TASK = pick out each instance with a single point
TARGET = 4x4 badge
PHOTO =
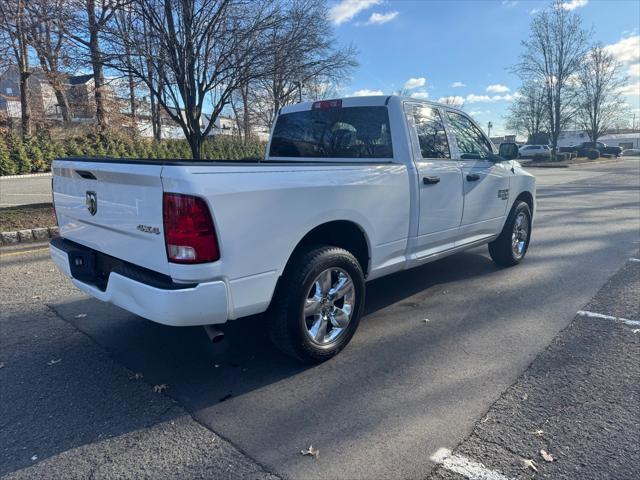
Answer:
(92, 202)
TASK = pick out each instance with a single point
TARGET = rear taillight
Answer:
(188, 229)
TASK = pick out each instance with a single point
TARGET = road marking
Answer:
(634, 259)
(633, 323)
(22, 252)
(463, 466)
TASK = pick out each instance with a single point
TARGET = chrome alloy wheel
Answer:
(520, 235)
(329, 306)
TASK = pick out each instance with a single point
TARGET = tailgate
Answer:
(115, 208)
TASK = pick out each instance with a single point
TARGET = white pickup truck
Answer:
(350, 190)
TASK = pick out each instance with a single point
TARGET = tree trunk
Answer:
(195, 142)
(24, 100)
(63, 102)
(245, 113)
(96, 65)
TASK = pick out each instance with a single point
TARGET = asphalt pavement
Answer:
(25, 190)
(437, 348)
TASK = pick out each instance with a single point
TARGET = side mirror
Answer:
(508, 151)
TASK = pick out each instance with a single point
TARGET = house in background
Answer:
(80, 90)
(42, 98)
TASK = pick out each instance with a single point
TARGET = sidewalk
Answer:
(579, 402)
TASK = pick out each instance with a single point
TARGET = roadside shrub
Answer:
(592, 154)
(35, 155)
(18, 154)
(7, 165)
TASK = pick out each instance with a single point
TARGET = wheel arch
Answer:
(526, 197)
(338, 233)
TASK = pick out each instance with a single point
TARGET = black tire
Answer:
(287, 324)
(501, 249)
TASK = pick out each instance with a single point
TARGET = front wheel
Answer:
(513, 242)
(318, 304)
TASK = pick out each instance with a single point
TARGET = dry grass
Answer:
(26, 216)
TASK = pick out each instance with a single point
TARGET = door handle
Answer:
(430, 180)
(472, 177)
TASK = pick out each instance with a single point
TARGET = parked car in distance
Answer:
(631, 152)
(350, 190)
(582, 148)
(536, 152)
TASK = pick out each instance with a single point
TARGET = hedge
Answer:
(35, 154)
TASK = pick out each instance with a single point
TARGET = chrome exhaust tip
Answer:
(215, 334)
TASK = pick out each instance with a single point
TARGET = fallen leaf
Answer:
(529, 464)
(34, 458)
(35, 297)
(136, 376)
(525, 397)
(53, 362)
(426, 320)
(160, 388)
(547, 456)
(539, 432)
(81, 315)
(314, 452)
(635, 330)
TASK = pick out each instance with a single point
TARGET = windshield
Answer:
(352, 132)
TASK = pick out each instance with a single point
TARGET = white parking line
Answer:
(463, 466)
(634, 259)
(633, 323)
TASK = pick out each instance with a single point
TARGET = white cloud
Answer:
(347, 9)
(420, 94)
(415, 83)
(497, 88)
(509, 3)
(380, 18)
(573, 4)
(458, 85)
(475, 113)
(365, 92)
(626, 50)
(632, 89)
(473, 98)
(452, 100)
(533, 11)
(634, 70)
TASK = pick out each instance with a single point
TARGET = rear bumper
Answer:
(198, 304)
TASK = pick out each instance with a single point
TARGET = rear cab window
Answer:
(432, 136)
(335, 132)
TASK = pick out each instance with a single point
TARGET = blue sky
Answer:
(464, 48)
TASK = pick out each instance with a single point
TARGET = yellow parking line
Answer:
(22, 252)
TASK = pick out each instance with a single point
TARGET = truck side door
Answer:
(439, 180)
(485, 181)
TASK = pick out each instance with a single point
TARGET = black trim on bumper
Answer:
(93, 267)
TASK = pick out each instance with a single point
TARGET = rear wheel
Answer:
(513, 242)
(318, 304)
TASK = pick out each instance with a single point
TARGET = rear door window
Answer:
(472, 143)
(432, 136)
(351, 132)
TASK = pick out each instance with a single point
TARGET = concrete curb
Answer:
(30, 235)
(28, 175)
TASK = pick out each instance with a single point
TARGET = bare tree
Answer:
(90, 19)
(202, 51)
(600, 103)
(553, 55)
(14, 33)
(528, 112)
(303, 53)
(45, 33)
